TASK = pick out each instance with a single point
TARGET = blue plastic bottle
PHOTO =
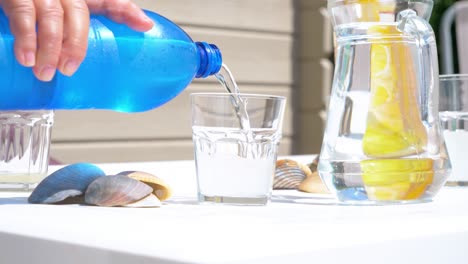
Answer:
(124, 70)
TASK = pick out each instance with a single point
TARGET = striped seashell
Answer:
(160, 188)
(289, 174)
(118, 190)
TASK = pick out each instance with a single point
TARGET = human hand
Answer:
(61, 39)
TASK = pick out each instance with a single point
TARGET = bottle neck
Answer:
(210, 59)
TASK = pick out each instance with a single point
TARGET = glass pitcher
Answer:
(382, 142)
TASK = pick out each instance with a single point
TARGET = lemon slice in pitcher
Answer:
(394, 127)
(396, 179)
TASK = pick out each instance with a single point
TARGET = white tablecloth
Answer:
(294, 228)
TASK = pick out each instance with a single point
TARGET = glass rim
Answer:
(453, 77)
(243, 95)
(44, 114)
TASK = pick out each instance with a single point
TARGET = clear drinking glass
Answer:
(383, 142)
(235, 158)
(453, 107)
(24, 148)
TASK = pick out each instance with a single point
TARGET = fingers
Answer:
(62, 30)
(122, 11)
(75, 38)
(22, 17)
(49, 40)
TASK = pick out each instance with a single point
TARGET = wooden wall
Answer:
(256, 38)
(314, 75)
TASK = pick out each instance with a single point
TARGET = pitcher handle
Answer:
(421, 30)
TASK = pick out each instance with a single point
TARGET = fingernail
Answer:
(29, 59)
(70, 67)
(47, 73)
(148, 20)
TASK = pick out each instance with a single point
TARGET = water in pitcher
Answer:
(381, 143)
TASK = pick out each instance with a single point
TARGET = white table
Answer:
(294, 228)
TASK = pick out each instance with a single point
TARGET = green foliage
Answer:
(439, 7)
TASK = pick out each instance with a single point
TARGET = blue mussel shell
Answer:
(69, 181)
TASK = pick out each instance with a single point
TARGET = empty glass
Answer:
(24, 148)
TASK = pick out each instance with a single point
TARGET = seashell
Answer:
(118, 190)
(314, 165)
(313, 183)
(289, 174)
(67, 182)
(149, 201)
(160, 188)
